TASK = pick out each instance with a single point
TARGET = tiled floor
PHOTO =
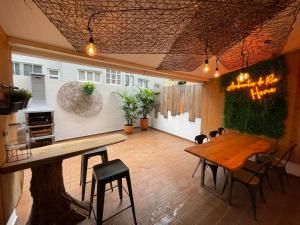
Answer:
(165, 192)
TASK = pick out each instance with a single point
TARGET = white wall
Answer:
(110, 118)
(178, 125)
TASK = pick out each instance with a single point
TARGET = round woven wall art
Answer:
(72, 99)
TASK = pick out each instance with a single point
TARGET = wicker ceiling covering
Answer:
(181, 29)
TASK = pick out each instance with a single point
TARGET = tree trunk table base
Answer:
(52, 205)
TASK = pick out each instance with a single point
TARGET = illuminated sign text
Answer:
(263, 86)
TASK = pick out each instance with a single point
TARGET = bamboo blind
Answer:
(179, 99)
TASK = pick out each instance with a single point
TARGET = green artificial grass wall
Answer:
(263, 116)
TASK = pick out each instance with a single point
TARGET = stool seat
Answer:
(107, 171)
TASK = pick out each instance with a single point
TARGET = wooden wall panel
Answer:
(10, 187)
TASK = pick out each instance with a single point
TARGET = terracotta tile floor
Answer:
(165, 192)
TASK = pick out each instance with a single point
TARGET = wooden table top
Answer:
(59, 151)
(231, 151)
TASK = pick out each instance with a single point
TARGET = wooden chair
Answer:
(279, 165)
(252, 181)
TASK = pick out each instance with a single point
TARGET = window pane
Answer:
(17, 68)
(127, 82)
(146, 83)
(27, 69)
(140, 82)
(81, 75)
(53, 72)
(37, 69)
(97, 77)
(90, 76)
(131, 80)
(118, 82)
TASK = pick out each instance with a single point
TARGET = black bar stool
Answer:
(106, 173)
(102, 152)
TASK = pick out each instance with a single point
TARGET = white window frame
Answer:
(118, 72)
(85, 76)
(143, 82)
(32, 64)
(131, 79)
(14, 68)
(50, 76)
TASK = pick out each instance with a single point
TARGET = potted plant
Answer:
(130, 107)
(25, 95)
(88, 88)
(19, 98)
(146, 100)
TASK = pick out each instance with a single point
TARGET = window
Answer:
(129, 80)
(31, 68)
(92, 76)
(53, 74)
(113, 77)
(143, 83)
(156, 86)
(16, 68)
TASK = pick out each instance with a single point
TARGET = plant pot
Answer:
(144, 123)
(128, 129)
(25, 103)
(7, 107)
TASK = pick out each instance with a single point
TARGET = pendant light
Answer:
(90, 48)
(206, 67)
(217, 74)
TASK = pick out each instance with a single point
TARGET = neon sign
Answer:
(263, 86)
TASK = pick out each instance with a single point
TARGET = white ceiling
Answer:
(23, 19)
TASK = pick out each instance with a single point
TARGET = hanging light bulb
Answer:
(217, 74)
(240, 77)
(206, 68)
(246, 76)
(90, 48)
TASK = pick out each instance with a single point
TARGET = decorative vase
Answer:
(128, 129)
(144, 123)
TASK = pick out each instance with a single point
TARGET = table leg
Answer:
(229, 177)
(202, 176)
(52, 205)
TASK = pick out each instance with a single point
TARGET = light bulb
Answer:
(206, 68)
(246, 76)
(90, 48)
(241, 77)
(217, 74)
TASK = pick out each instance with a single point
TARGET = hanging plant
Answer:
(88, 88)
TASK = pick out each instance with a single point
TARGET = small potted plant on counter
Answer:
(146, 100)
(88, 88)
(130, 107)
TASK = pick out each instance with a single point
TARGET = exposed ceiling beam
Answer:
(49, 51)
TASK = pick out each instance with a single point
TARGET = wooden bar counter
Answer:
(52, 205)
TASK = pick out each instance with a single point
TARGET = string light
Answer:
(206, 68)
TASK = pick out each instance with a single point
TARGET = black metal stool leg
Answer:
(104, 158)
(84, 165)
(92, 194)
(120, 189)
(100, 202)
(131, 197)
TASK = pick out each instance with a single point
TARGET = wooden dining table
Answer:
(230, 151)
(51, 203)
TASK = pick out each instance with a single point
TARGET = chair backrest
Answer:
(264, 166)
(287, 154)
(200, 138)
(213, 133)
(221, 130)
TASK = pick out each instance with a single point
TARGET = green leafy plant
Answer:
(146, 100)
(130, 107)
(260, 117)
(16, 94)
(88, 88)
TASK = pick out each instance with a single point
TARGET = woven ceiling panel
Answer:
(181, 29)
